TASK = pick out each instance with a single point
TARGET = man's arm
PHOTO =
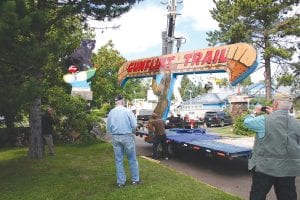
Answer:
(108, 124)
(133, 121)
(256, 124)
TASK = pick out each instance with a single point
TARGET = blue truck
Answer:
(200, 140)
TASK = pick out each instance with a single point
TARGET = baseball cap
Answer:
(119, 97)
(283, 96)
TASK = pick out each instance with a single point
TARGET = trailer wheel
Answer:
(222, 123)
(159, 150)
(171, 150)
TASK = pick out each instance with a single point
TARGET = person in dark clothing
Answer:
(47, 129)
(157, 125)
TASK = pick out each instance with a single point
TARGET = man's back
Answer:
(121, 121)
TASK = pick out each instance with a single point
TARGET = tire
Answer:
(222, 123)
(159, 150)
(208, 125)
(171, 150)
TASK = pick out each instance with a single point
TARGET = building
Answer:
(196, 107)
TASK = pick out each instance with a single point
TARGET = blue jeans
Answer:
(125, 144)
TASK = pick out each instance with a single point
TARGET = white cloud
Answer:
(141, 27)
(196, 13)
(140, 30)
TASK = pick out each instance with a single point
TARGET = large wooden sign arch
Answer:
(238, 60)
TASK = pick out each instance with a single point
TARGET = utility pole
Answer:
(168, 35)
(162, 84)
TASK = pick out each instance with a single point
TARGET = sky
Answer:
(139, 32)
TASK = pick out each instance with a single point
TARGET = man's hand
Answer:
(257, 110)
(269, 109)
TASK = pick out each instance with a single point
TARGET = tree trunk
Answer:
(36, 146)
(267, 59)
(268, 81)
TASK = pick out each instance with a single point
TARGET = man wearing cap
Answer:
(121, 124)
(275, 156)
(157, 125)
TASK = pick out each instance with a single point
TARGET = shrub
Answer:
(239, 128)
(14, 137)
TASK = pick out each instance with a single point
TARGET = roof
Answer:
(257, 86)
(208, 98)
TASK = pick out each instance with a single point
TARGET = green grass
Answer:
(88, 172)
(224, 131)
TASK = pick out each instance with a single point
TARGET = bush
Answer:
(14, 137)
(239, 128)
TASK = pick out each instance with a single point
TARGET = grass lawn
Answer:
(88, 172)
(225, 131)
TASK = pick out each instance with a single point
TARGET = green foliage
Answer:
(223, 82)
(267, 25)
(88, 172)
(247, 81)
(70, 112)
(104, 109)
(95, 117)
(14, 137)
(136, 89)
(35, 37)
(285, 79)
(240, 129)
(187, 85)
(73, 114)
(87, 139)
(297, 104)
(105, 82)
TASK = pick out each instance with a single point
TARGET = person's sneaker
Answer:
(121, 185)
(136, 182)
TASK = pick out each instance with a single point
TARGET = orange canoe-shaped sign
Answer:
(238, 60)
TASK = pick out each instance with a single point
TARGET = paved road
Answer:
(228, 175)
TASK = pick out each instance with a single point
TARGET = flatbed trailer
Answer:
(211, 144)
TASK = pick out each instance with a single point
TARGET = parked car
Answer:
(144, 115)
(217, 118)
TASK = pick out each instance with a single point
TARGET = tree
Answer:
(268, 24)
(187, 87)
(285, 79)
(27, 27)
(222, 82)
(246, 82)
(105, 82)
(291, 78)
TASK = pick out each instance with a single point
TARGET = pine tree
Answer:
(272, 26)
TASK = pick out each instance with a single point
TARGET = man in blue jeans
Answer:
(275, 156)
(121, 124)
